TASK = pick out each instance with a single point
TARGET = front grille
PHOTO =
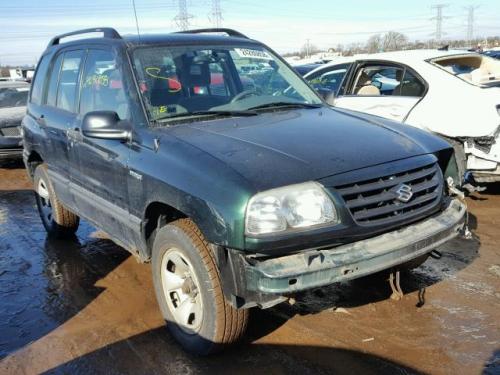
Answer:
(11, 131)
(375, 201)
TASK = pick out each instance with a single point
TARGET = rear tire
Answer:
(57, 220)
(189, 291)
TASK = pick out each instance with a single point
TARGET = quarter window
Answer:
(102, 85)
(38, 84)
(411, 86)
(54, 77)
(68, 81)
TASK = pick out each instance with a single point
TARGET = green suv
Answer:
(240, 186)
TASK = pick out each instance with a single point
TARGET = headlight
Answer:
(288, 208)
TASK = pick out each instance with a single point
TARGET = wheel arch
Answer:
(156, 215)
(34, 159)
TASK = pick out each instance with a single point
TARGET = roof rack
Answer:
(229, 32)
(108, 32)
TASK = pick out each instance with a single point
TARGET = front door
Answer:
(100, 183)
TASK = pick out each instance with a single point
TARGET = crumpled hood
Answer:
(281, 148)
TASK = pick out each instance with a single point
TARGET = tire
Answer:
(415, 263)
(57, 220)
(195, 310)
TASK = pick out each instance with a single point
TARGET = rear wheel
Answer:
(57, 220)
(189, 292)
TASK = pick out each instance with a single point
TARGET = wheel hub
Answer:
(44, 198)
(181, 290)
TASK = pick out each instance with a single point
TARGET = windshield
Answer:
(13, 96)
(196, 79)
(479, 70)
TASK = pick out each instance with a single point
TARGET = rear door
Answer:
(59, 116)
(100, 182)
(383, 89)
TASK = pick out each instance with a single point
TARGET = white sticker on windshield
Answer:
(21, 89)
(253, 53)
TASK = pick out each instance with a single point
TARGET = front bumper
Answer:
(314, 268)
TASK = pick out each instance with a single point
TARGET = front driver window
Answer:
(102, 85)
(330, 79)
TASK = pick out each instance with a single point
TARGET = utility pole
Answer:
(182, 18)
(307, 48)
(216, 14)
(439, 20)
(470, 22)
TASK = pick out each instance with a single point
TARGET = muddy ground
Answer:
(87, 306)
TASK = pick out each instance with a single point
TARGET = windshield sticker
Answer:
(253, 54)
(173, 84)
(22, 89)
(96, 80)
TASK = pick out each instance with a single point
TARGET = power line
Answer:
(439, 20)
(216, 15)
(182, 18)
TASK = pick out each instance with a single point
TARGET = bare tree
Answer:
(308, 49)
(374, 43)
(394, 41)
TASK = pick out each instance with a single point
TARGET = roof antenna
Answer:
(136, 21)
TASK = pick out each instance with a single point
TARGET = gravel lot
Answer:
(87, 306)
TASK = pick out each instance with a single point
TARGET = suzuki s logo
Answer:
(403, 193)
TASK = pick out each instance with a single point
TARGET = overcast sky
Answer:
(26, 26)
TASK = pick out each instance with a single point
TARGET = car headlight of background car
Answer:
(291, 207)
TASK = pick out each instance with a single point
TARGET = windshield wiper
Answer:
(227, 113)
(285, 105)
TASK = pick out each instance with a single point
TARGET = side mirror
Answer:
(106, 125)
(327, 95)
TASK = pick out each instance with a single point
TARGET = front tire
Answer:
(57, 220)
(189, 291)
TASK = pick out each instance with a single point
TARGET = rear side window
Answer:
(38, 84)
(68, 80)
(102, 85)
(378, 80)
(54, 77)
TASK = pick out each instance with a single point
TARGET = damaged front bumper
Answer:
(314, 268)
(483, 158)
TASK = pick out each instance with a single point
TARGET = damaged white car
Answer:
(455, 94)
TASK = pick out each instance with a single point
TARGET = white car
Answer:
(455, 94)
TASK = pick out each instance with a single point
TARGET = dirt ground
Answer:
(87, 306)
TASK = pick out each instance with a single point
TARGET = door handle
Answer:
(41, 120)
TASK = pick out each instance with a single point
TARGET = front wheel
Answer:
(189, 292)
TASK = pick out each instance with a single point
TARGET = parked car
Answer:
(238, 197)
(492, 53)
(13, 98)
(454, 94)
